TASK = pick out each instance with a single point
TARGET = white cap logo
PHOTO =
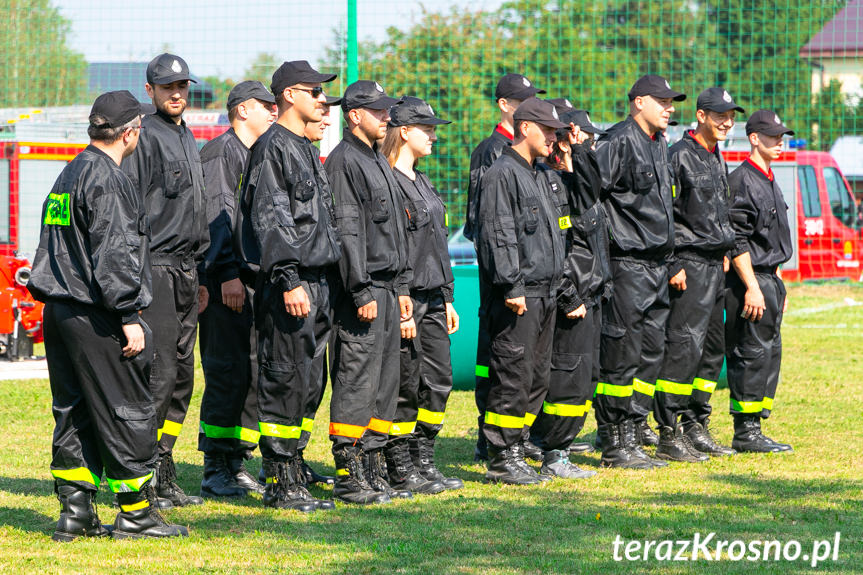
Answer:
(667, 85)
(431, 110)
(554, 113)
(726, 96)
(776, 119)
(176, 67)
(525, 81)
(567, 103)
(378, 87)
(588, 118)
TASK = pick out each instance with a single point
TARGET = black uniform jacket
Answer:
(636, 191)
(165, 168)
(759, 216)
(371, 219)
(586, 269)
(519, 243)
(427, 233)
(93, 246)
(286, 221)
(481, 159)
(701, 199)
(224, 160)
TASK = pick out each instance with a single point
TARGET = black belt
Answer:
(765, 269)
(183, 262)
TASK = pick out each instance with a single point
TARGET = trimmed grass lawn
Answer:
(559, 527)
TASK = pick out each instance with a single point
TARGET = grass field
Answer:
(559, 527)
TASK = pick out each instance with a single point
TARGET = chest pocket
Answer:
(531, 214)
(587, 222)
(418, 214)
(768, 214)
(379, 206)
(304, 188)
(176, 176)
(644, 179)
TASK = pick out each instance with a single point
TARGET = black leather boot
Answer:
(748, 436)
(531, 450)
(138, 518)
(218, 480)
(351, 485)
(401, 471)
(165, 478)
(504, 467)
(556, 462)
(282, 490)
(376, 473)
(614, 454)
(646, 436)
(702, 440)
(241, 475)
(78, 516)
(310, 476)
(673, 447)
(630, 440)
(422, 453)
(518, 451)
(581, 447)
(295, 474)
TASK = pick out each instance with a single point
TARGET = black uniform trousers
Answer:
(519, 367)
(173, 317)
(571, 382)
(712, 359)
(483, 342)
(633, 336)
(286, 350)
(753, 350)
(692, 314)
(365, 376)
(229, 358)
(425, 370)
(103, 410)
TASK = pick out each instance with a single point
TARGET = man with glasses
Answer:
(166, 170)
(289, 242)
(695, 336)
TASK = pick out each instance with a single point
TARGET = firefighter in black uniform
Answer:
(426, 368)
(511, 90)
(228, 431)
(92, 270)
(695, 334)
(755, 298)
(637, 195)
(166, 170)
(374, 298)
(520, 250)
(287, 234)
(573, 174)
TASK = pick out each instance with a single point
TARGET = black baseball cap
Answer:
(366, 94)
(656, 86)
(517, 87)
(167, 68)
(114, 109)
(333, 100)
(297, 72)
(562, 105)
(581, 118)
(147, 108)
(248, 90)
(717, 99)
(539, 112)
(411, 111)
(766, 122)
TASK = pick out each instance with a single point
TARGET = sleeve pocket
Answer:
(282, 211)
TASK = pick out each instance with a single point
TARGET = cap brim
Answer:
(724, 107)
(591, 129)
(778, 131)
(382, 103)
(173, 78)
(528, 92)
(316, 77)
(555, 124)
(432, 121)
(333, 100)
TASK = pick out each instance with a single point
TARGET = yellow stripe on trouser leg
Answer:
(767, 403)
(277, 430)
(507, 421)
(673, 387)
(402, 427)
(612, 390)
(128, 485)
(135, 506)
(169, 428)
(704, 385)
(642, 386)
(247, 435)
(565, 409)
(308, 424)
(347, 430)
(529, 418)
(430, 417)
(746, 406)
(379, 425)
(81, 474)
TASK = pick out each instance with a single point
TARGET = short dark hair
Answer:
(107, 135)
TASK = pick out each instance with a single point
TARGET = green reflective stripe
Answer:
(746, 406)
(246, 434)
(430, 417)
(78, 474)
(609, 389)
(704, 385)
(57, 211)
(642, 386)
(402, 428)
(507, 421)
(308, 424)
(767, 403)
(171, 428)
(565, 409)
(217, 432)
(673, 387)
(529, 418)
(481, 371)
(277, 430)
(128, 485)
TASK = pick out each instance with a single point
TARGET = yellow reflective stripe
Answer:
(642, 386)
(342, 472)
(565, 223)
(135, 506)
(565, 409)
(704, 385)
(446, 219)
(402, 428)
(529, 418)
(272, 480)
(507, 421)
(308, 424)
(430, 417)
(587, 406)
(216, 431)
(171, 428)
(612, 390)
(767, 403)
(746, 406)
(481, 371)
(247, 435)
(77, 474)
(347, 430)
(666, 386)
(278, 430)
(379, 425)
(128, 485)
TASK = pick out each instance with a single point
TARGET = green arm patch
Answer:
(57, 210)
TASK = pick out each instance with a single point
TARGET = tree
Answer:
(262, 68)
(38, 68)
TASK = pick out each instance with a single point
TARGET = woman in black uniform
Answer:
(426, 370)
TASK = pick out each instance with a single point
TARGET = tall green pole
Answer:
(352, 41)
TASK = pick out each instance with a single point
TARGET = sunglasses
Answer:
(315, 92)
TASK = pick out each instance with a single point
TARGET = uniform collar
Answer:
(504, 132)
(691, 134)
(517, 157)
(347, 136)
(752, 165)
(170, 121)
